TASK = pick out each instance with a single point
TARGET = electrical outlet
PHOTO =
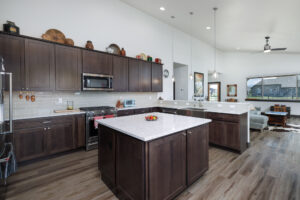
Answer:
(60, 101)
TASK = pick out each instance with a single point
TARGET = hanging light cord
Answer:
(215, 39)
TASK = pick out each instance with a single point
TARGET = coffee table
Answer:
(277, 118)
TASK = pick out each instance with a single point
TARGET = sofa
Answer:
(257, 120)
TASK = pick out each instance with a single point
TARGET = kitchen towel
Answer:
(95, 121)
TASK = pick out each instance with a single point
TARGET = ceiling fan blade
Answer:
(279, 49)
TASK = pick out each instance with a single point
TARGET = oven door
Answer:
(96, 82)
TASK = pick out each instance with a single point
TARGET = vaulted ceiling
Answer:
(241, 24)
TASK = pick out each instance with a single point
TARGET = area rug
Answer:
(288, 128)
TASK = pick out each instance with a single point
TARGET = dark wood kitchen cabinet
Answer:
(107, 162)
(60, 137)
(229, 131)
(68, 68)
(30, 143)
(168, 162)
(134, 75)
(80, 130)
(157, 85)
(120, 73)
(12, 51)
(197, 147)
(40, 137)
(96, 62)
(145, 76)
(125, 112)
(39, 65)
(139, 76)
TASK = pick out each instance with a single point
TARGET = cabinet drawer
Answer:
(143, 110)
(223, 117)
(40, 122)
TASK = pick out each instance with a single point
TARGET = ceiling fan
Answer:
(267, 47)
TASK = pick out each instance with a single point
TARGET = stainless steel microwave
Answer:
(96, 82)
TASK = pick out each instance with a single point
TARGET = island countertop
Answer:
(136, 126)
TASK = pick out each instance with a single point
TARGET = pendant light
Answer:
(215, 73)
(173, 77)
(191, 45)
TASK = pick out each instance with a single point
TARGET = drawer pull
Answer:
(45, 129)
(184, 134)
(46, 122)
(189, 132)
(49, 128)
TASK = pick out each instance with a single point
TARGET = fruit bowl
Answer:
(151, 118)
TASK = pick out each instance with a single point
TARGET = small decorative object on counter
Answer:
(21, 95)
(160, 98)
(151, 118)
(70, 105)
(138, 56)
(123, 52)
(89, 45)
(119, 104)
(149, 58)
(114, 49)
(166, 73)
(143, 56)
(32, 97)
(27, 96)
(158, 60)
(10, 27)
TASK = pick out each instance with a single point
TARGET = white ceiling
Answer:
(241, 24)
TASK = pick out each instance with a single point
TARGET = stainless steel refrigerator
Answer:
(7, 157)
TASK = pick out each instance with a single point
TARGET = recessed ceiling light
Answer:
(162, 8)
(208, 28)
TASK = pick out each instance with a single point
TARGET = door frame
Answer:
(219, 95)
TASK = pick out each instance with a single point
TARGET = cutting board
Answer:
(66, 111)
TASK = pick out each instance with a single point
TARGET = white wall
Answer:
(238, 66)
(105, 22)
(181, 81)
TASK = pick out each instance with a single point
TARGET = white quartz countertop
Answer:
(137, 127)
(20, 116)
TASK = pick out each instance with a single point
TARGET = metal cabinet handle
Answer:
(45, 129)
(46, 122)
(49, 128)
(184, 134)
(189, 132)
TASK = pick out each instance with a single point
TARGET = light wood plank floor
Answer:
(269, 169)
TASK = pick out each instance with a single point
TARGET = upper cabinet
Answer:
(145, 76)
(120, 73)
(68, 65)
(139, 76)
(157, 85)
(96, 62)
(12, 51)
(39, 65)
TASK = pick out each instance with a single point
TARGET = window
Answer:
(274, 88)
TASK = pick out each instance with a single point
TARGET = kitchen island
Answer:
(152, 160)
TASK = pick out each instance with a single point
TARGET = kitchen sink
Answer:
(192, 111)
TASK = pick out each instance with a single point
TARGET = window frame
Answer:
(297, 97)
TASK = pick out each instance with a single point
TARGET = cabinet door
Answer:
(29, 143)
(216, 133)
(142, 110)
(106, 155)
(120, 72)
(125, 112)
(12, 51)
(68, 68)
(145, 76)
(157, 78)
(197, 152)
(167, 169)
(232, 135)
(96, 62)
(60, 137)
(80, 131)
(39, 65)
(134, 76)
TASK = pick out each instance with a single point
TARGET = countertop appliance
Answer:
(93, 113)
(96, 82)
(7, 158)
(129, 103)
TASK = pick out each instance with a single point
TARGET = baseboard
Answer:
(248, 144)
(295, 116)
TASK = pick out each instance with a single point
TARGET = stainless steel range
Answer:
(91, 129)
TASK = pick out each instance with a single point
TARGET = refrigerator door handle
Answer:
(10, 104)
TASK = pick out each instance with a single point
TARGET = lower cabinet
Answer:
(153, 170)
(30, 143)
(228, 131)
(167, 169)
(39, 137)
